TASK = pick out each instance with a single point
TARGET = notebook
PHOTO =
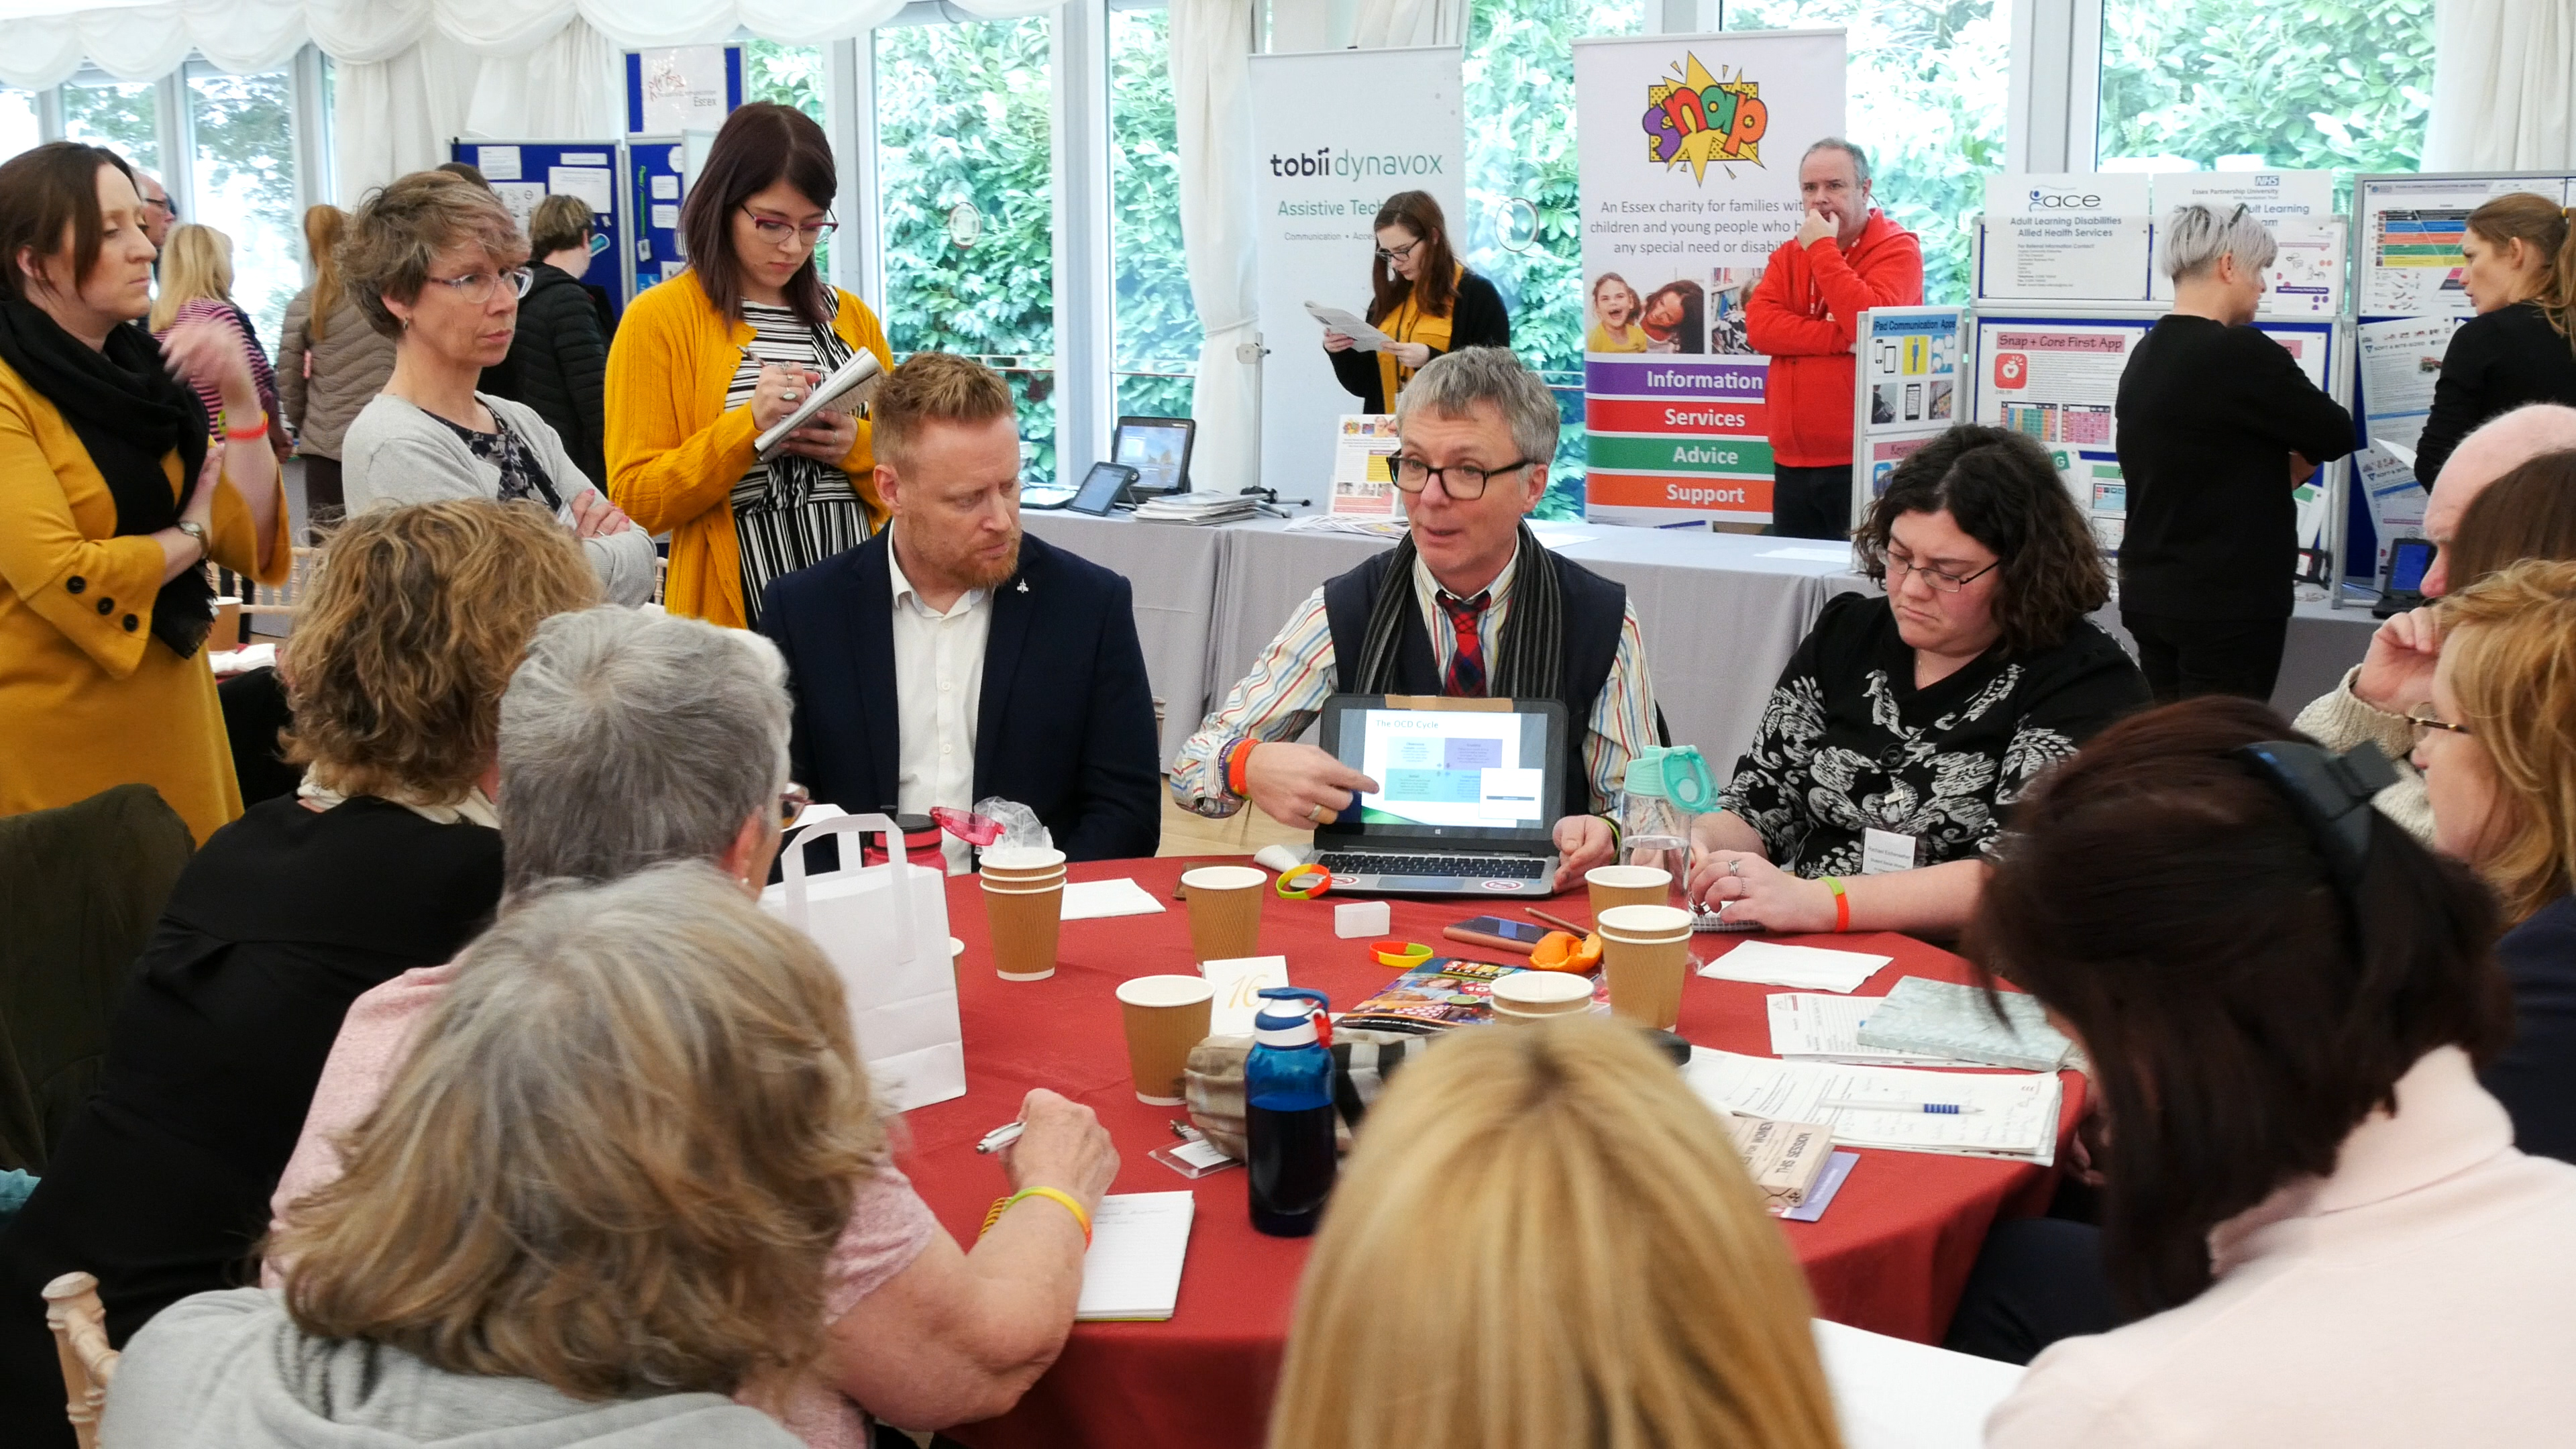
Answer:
(1133, 1271)
(1947, 1019)
(2011, 1115)
(1811, 1026)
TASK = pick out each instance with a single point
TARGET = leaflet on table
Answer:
(1813, 1026)
(2409, 238)
(1364, 447)
(1442, 993)
(2014, 1114)
(1351, 325)
(1967, 1025)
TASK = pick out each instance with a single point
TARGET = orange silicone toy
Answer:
(1560, 951)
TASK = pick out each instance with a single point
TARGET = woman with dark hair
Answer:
(1906, 724)
(115, 489)
(706, 362)
(1423, 297)
(2284, 998)
(1675, 318)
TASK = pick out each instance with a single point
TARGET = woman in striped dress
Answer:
(706, 361)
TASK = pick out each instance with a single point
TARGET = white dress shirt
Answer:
(938, 687)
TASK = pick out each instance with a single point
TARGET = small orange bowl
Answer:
(1562, 951)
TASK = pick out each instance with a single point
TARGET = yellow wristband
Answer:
(1304, 882)
(1056, 1194)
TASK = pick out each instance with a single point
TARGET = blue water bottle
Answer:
(1288, 1118)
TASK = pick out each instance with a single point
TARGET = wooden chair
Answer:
(286, 598)
(80, 1336)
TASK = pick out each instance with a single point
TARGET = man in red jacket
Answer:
(1846, 259)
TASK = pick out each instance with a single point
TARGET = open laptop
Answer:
(1466, 797)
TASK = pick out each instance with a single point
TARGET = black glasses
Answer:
(476, 287)
(1942, 582)
(2425, 722)
(791, 804)
(1462, 481)
(776, 232)
(1397, 254)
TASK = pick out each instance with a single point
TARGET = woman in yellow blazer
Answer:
(112, 496)
(709, 360)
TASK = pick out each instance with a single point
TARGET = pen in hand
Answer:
(1001, 1137)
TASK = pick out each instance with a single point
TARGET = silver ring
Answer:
(1318, 814)
(788, 396)
(1735, 868)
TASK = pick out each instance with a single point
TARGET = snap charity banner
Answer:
(1689, 154)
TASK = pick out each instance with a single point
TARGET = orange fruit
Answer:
(1561, 951)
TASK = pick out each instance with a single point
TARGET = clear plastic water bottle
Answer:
(1288, 1112)
(1665, 788)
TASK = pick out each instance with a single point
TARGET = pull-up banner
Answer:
(1689, 155)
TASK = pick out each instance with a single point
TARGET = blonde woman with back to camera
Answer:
(1621, 1287)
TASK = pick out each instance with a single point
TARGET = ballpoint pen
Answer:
(1001, 1137)
(1943, 1109)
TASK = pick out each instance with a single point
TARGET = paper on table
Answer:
(1813, 555)
(2015, 1116)
(1092, 900)
(1811, 967)
(1350, 326)
(1814, 1027)
(1139, 1240)
(1923, 1015)
(1239, 984)
(1891, 1394)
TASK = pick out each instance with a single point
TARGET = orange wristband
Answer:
(1237, 762)
(1842, 903)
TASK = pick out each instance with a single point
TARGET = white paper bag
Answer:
(885, 928)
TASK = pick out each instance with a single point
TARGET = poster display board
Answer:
(1689, 150)
(1906, 391)
(2070, 239)
(1335, 133)
(682, 88)
(656, 179)
(524, 173)
(2306, 277)
(2409, 236)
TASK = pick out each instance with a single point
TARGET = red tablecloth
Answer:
(1890, 1255)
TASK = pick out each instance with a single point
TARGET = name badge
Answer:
(1882, 851)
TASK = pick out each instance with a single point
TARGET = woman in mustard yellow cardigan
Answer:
(108, 505)
(709, 360)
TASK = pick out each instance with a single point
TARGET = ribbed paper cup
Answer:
(1225, 910)
(1612, 886)
(1538, 995)
(1645, 956)
(1026, 918)
(1021, 863)
(1165, 1017)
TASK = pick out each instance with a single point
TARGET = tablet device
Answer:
(1158, 449)
(1102, 487)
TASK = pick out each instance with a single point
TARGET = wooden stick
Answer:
(1560, 922)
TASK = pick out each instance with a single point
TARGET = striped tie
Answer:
(1467, 662)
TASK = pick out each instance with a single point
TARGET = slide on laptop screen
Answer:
(1452, 769)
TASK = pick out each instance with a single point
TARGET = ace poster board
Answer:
(2071, 238)
(1689, 149)
(1906, 391)
(524, 173)
(682, 88)
(1334, 134)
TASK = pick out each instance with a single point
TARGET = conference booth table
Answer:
(1721, 612)
(1891, 1254)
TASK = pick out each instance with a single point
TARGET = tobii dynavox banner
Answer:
(1335, 133)
(1689, 153)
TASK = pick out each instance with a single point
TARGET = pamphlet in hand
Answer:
(1368, 338)
(827, 392)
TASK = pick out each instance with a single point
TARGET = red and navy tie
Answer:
(1467, 662)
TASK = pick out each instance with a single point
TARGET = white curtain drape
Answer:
(1212, 104)
(2504, 86)
(1394, 24)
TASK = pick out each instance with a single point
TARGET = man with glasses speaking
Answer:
(1469, 603)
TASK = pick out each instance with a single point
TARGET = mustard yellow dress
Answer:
(88, 697)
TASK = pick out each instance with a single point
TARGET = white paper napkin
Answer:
(1809, 968)
(1092, 900)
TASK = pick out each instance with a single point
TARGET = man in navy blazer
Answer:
(951, 658)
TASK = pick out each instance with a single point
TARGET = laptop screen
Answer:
(1467, 775)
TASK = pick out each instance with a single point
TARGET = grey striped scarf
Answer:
(1528, 662)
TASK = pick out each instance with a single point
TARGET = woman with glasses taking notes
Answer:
(709, 360)
(1423, 297)
(1906, 724)
(437, 265)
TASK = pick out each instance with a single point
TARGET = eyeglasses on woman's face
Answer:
(476, 287)
(1941, 580)
(791, 804)
(1402, 253)
(778, 231)
(1462, 481)
(2425, 722)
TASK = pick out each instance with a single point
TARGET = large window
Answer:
(242, 183)
(18, 127)
(1522, 230)
(966, 191)
(2327, 85)
(1927, 94)
(793, 75)
(1156, 322)
(125, 117)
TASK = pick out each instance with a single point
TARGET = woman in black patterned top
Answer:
(1907, 723)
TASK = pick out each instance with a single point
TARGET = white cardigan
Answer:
(395, 453)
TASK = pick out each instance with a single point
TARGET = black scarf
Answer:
(128, 412)
(1529, 660)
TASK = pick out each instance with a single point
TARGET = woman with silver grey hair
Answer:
(2217, 426)
(632, 739)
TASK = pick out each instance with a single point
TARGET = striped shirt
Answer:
(1286, 690)
(790, 512)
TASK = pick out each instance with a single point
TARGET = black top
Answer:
(1847, 743)
(2497, 361)
(522, 476)
(2208, 417)
(2536, 1076)
(162, 1182)
(1477, 319)
(1065, 724)
(558, 365)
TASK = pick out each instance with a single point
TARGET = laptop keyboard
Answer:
(1469, 867)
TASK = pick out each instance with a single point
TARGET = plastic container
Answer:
(1665, 788)
(1288, 1113)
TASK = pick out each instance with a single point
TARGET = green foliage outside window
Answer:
(125, 119)
(243, 182)
(1156, 329)
(964, 118)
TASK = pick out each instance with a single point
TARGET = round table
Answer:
(1890, 1255)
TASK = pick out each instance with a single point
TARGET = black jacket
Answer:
(1478, 320)
(2535, 1078)
(1065, 724)
(2497, 361)
(558, 364)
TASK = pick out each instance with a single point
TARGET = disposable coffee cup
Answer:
(1225, 910)
(1025, 917)
(1613, 886)
(1166, 1016)
(1021, 863)
(1537, 995)
(1645, 956)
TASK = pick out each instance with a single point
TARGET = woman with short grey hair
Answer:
(2217, 428)
(631, 739)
